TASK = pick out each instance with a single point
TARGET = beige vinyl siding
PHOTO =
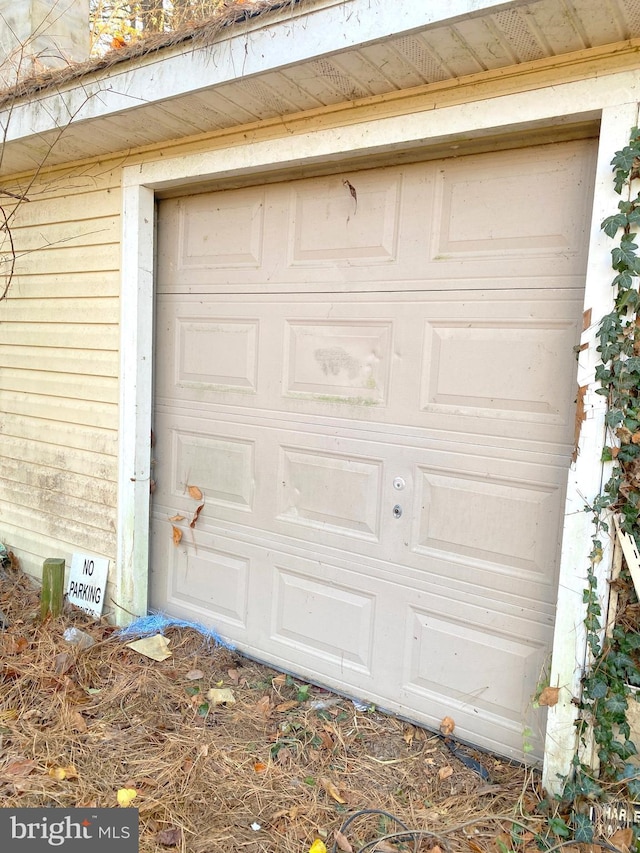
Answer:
(59, 362)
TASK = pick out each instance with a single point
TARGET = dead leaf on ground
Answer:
(221, 696)
(171, 837)
(342, 842)
(445, 772)
(61, 773)
(195, 493)
(408, 735)
(332, 790)
(194, 674)
(549, 696)
(622, 839)
(20, 768)
(286, 706)
(16, 645)
(199, 509)
(447, 725)
(264, 706)
(177, 535)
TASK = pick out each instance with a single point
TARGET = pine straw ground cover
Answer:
(285, 765)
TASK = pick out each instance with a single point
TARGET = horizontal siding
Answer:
(60, 359)
(41, 455)
(66, 285)
(69, 437)
(53, 311)
(89, 336)
(59, 342)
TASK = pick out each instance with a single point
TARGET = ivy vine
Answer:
(615, 659)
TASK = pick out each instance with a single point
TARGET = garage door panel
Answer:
(330, 492)
(302, 609)
(216, 355)
(487, 522)
(330, 221)
(483, 219)
(222, 465)
(513, 370)
(371, 378)
(502, 521)
(479, 365)
(499, 205)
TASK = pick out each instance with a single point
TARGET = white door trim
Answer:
(563, 103)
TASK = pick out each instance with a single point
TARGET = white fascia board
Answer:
(249, 49)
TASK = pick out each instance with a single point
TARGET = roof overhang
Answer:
(290, 59)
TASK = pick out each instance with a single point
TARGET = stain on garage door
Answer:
(371, 378)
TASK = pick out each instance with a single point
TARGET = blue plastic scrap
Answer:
(157, 623)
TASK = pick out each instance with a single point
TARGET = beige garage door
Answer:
(371, 379)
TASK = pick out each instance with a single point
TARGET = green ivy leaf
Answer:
(583, 828)
(597, 689)
(624, 159)
(612, 224)
(616, 704)
(559, 827)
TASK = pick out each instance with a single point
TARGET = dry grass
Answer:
(109, 718)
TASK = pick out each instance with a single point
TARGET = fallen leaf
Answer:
(332, 790)
(126, 796)
(177, 535)
(18, 645)
(264, 706)
(155, 647)
(259, 767)
(195, 493)
(61, 773)
(318, 846)
(408, 735)
(204, 750)
(170, 837)
(445, 772)
(447, 726)
(177, 518)
(342, 842)
(622, 839)
(436, 849)
(234, 675)
(286, 706)
(199, 509)
(279, 680)
(327, 740)
(635, 438)
(194, 674)
(20, 768)
(221, 696)
(549, 696)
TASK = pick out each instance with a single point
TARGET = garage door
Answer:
(370, 377)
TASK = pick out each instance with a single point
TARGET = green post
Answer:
(52, 596)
